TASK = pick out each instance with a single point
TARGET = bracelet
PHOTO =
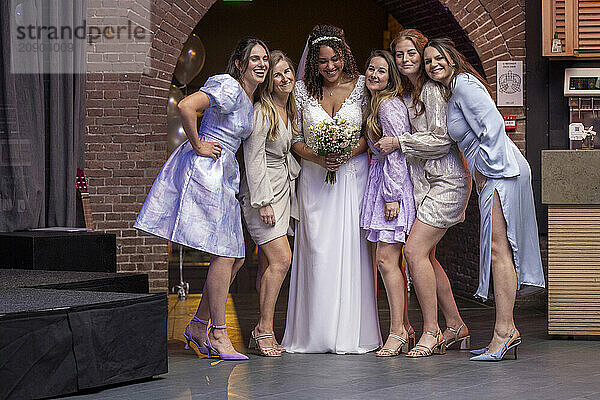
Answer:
(398, 140)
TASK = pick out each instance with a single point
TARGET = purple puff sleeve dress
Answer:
(193, 200)
(389, 181)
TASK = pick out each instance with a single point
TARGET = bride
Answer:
(332, 305)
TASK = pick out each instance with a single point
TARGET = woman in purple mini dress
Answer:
(388, 209)
(192, 202)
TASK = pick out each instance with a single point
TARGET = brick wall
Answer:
(497, 30)
(126, 124)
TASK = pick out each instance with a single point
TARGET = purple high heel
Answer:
(212, 352)
(188, 337)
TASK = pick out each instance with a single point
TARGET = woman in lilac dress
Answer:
(192, 201)
(388, 209)
(509, 244)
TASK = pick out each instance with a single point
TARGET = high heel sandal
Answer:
(477, 352)
(423, 351)
(464, 342)
(212, 352)
(506, 347)
(189, 338)
(387, 352)
(263, 351)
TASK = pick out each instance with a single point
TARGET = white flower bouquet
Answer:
(334, 137)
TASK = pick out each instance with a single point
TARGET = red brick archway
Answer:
(126, 127)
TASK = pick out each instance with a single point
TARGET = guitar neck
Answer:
(87, 211)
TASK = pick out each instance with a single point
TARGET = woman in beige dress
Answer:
(267, 193)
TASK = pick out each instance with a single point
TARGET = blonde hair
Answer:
(419, 41)
(392, 90)
(265, 98)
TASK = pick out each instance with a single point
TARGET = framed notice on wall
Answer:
(509, 83)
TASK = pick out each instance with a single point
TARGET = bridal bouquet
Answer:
(334, 137)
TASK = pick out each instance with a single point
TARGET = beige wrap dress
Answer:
(271, 172)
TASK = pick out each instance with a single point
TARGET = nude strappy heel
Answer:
(463, 342)
(263, 351)
(387, 352)
(423, 351)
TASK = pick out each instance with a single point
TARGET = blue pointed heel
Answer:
(477, 352)
(202, 349)
(509, 345)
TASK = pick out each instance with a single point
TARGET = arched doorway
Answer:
(137, 138)
(368, 25)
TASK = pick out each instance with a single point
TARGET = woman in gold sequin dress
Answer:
(442, 186)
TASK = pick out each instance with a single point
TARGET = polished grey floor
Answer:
(547, 368)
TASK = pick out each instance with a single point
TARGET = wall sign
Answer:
(509, 83)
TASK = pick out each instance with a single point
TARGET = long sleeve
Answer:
(255, 160)
(393, 118)
(494, 158)
(430, 141)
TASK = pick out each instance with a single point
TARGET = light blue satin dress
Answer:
(477, 126)
(193, 200)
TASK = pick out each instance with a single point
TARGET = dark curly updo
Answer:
(331, 36)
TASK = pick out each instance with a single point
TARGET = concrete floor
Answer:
(546, 369)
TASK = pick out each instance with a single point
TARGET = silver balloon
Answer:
(175, 133)
(175, 96)
(191, 60)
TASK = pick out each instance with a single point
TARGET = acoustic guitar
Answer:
(82, 186)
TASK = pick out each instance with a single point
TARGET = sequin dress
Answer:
(477, 126)
(389, 181)
(193, 199)
(442, 184)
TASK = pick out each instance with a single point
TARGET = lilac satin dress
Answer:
(389, 181)
(193, 199)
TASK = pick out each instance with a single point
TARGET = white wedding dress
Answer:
(332, 305)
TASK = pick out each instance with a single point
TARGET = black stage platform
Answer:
(71, 280)
(62, 332)
(59, 251)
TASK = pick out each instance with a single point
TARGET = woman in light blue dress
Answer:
(192, 201)
(509, 244)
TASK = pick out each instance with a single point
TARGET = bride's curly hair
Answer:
(331, 36)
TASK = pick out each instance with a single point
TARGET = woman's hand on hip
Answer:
(208, 149)
(267, 215)
(391, 210)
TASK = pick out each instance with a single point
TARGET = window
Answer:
(576, 23)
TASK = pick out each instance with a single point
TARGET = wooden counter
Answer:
(570, 188)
